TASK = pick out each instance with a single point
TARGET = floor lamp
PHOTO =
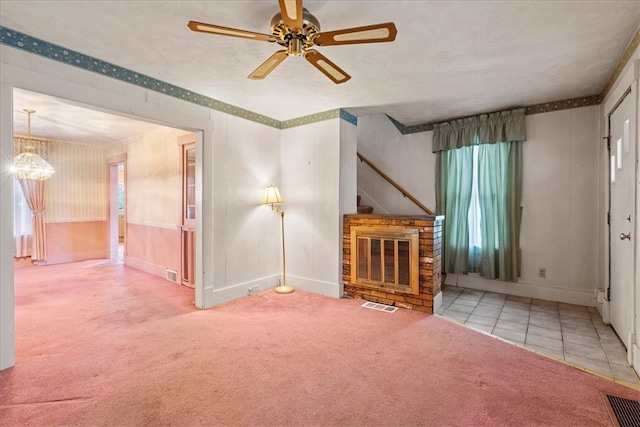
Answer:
(272, 197)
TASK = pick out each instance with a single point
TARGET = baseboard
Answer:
(437, 302)
(75, 257)
(568, 296)
(233, 292)
(315, 286)
(146, 266)
(230, 293)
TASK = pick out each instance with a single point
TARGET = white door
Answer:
(622, 166)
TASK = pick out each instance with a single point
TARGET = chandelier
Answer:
(29, 165)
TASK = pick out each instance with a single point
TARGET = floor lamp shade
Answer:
(272, 197)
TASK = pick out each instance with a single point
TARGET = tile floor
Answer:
(569, 332)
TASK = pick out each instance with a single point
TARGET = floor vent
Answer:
(171, 275)
(623, 412)
(379, 307)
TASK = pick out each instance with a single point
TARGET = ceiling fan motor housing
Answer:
(296, 41)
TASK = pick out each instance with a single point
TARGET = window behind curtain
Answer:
(475, 234)
(479, 190)
(22, 223)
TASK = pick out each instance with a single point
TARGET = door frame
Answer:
(113, 238)
(628, 86)
(612, 234)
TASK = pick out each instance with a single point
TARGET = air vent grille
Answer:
(623, 412)
(379, 307)
(171, 275)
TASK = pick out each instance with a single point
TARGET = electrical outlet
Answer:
(542, 273)
(253, 289)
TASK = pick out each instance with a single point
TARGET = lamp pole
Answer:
(283, 288)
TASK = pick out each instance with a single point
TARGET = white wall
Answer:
(311, 190)
(406, 159)
(246, 234)
(560, 198)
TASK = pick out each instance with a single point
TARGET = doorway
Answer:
(622, 165)
(117, 210)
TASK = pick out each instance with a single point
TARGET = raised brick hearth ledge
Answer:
(429, 228)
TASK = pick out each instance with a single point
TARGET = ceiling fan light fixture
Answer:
(298, 31)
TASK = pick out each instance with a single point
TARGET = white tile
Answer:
(519, 299)
(514, 318)
(552, 333)
(512, 326)
(577, 338)
(544, 342)
(467, 300)
(461, 307)
(584, 351)
(514, 336)
(597, 365)
(483, 320)
(546, 351)
(587, 331)
(625, 373)
(479, 326)
(516, 310)
(487, 312)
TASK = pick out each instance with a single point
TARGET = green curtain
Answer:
(500, 195)
(500, 137)
(453, 197)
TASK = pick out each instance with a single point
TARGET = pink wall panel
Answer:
(152, 249)
(76, 241)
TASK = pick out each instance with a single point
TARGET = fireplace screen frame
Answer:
(374, 246)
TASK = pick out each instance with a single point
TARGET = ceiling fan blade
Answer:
(368, 34)
(291, 11)
(267, 66)
(328, 68)
(202, 27)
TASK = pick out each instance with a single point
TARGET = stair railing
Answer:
(404, 192)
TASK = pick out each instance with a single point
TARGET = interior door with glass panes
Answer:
(188, 232)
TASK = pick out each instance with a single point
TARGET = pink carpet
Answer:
(99, 344)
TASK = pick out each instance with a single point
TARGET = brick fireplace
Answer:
(391, 276)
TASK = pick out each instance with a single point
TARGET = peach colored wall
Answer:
(153, 178)
(78, 189)
(76, 241)
(152, 249)
(153, 207)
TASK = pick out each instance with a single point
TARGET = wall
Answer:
(560, 200)
(76, 203)
(310, 158)
(153, 214)
(245, 244)
(406, 159)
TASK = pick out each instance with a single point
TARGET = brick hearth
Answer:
(430, 235)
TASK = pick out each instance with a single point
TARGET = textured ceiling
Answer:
(450, 59)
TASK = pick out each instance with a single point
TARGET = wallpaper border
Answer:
(58, 53)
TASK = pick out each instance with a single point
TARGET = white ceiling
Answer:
(450, 58)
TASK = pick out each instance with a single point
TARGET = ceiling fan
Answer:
(295, 28)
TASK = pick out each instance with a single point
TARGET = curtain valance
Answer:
(503, 126)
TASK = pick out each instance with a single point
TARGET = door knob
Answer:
(625, 236)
